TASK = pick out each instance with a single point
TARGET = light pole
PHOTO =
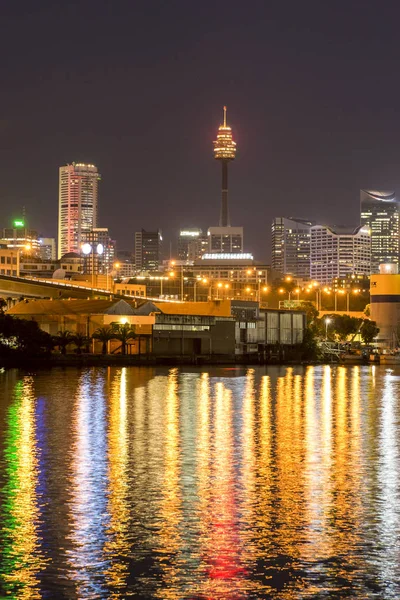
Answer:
(348, 298)
(198, 280)
(283, 291)
(161, 284)
(182, 283)
(327, 321)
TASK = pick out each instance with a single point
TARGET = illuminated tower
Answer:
(77, 212)
(224, 151)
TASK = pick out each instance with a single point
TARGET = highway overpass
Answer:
(17, 287)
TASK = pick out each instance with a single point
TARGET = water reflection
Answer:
(21, 555)
(116, 547)
(224, 484)
(88, 518)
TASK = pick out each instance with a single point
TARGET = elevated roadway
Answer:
(30, 287)
(17, 287)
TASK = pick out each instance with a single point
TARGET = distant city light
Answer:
(228, 256)
(190, 233)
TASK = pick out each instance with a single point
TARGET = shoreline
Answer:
(108, 360)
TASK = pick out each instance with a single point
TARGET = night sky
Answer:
(137, 88)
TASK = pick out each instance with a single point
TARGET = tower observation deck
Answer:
(224, 151)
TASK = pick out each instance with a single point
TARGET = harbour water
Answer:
(216, 483)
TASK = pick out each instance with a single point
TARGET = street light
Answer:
(198, 280)
(283, 291)
(327, 321)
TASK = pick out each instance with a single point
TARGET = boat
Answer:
(349, 358)
(389, 359)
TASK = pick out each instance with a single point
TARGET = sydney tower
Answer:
(224, 151)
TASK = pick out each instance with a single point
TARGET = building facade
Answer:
(225, 239)
(186, 237)
(291, 246)
(9, 261)
(47, 249)
(78, 202)
(21, 238)
(339, 252)
(101, 257)
(148, 250)
(385, 305)
(380, 212)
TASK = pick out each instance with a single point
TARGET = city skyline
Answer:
(306, 135)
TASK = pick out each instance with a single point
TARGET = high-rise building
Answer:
(291, 246)
(78, 200)
(124, 265)
(197, 247)
(100, 256)
(224, 151)
(148, 250)
(47, 248)
(380, 212)
(339, 252)
(225, 239)
(185, 239)
(192, 244)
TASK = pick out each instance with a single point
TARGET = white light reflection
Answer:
(389, 522)
(88, 489)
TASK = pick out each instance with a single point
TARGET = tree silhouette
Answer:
(63, 339)
(124, 333)
(104, 335)
(80, 340)
(368, 331)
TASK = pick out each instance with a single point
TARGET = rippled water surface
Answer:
(200, 484)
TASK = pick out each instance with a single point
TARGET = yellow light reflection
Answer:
(171, 502)
(224, 567)
(265, 475)
(117, 544)
(290, 457)
(21, 558)
(203, 445)
(248, 452)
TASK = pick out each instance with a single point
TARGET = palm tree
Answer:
(123, 333)
(80, 340)
(104, 335)
(63, 339)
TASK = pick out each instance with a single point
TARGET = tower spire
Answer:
(224, 151)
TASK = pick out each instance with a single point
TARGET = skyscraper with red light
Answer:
(77, 209)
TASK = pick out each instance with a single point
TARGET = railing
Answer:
(329, 350)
